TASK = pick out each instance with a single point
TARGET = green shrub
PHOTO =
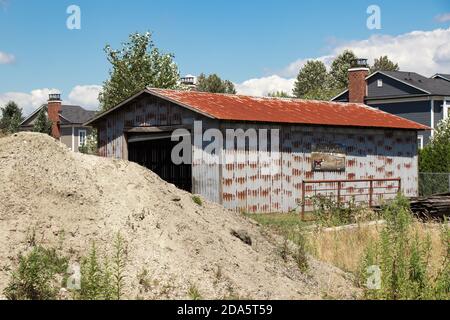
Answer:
(299, 254)
(197, 200)
(193, 293)
(90, 146)
(36, 276)
(103, 280)
(442, 281)
(119, 263)
(403, 260)
(331, 213)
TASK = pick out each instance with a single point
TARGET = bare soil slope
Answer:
(71, 200)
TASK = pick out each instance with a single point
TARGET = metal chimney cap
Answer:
(359, 63)
(54, 97)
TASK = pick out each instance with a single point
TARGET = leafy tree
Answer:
(90, 146)
(137, 65)
(435, 157)
(314, 82)
(311, 77)
(278, 94)
(324, 94)
(339, 69)
(384, 64)
(214, 84)
(43, 124)
(11, 118)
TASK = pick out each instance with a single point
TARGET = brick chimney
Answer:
(53, 111)
(357, 84)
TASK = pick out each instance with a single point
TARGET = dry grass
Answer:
(344, 248)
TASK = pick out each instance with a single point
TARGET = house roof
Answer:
(435, 85)
(278, 110)
(76, 114)
(442, 76)
(71, 114)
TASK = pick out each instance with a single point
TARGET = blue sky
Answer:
(239, 40)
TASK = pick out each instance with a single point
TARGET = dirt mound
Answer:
(72, 199)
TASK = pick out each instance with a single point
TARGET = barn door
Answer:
(156, 156)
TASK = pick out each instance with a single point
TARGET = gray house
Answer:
(67, 122)
(406, 94)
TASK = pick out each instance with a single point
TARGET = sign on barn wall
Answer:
(328, 157)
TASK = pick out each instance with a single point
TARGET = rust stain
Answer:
(258, 109)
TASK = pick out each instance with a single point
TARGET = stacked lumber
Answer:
(434, 207)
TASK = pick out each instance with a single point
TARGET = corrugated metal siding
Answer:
(242, 184)
(205, 168)
(370, 154)
(152, 111)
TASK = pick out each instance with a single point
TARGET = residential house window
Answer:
(380, 83)
(445, 108)
(81, 137)
(420, 142)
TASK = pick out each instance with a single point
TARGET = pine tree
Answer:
(384, 64)
(278, 94)
(214, 84)
(43, 124)
(11, 118)
(312, 77)
(339, 69)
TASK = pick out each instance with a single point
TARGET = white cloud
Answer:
(7, 58)
(292, 69)
(85, 96)
(263, 86)
(27, 101)
(424, 52)
(442, 18)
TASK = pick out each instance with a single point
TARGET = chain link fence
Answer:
(433, 183)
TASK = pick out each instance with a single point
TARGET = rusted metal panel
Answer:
(146, 111)
(370, 153)
(206, 169)
(293, 111)
(246, 183)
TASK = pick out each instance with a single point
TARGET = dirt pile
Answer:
(71, 200)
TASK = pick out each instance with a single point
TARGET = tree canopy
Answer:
(278, 94)
(312, 77)
(383, 63)
(214, 84)
(435, 156)
(314, 82)
(43, 124)
(137, 65)
(11, 118)
(339, 69)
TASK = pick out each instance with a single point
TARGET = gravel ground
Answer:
(71, 200)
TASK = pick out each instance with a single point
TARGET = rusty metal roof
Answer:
(277, 110)
(280, 110)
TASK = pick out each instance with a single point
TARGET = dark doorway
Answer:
(156, 156)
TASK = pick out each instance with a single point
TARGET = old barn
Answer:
(346, 150)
